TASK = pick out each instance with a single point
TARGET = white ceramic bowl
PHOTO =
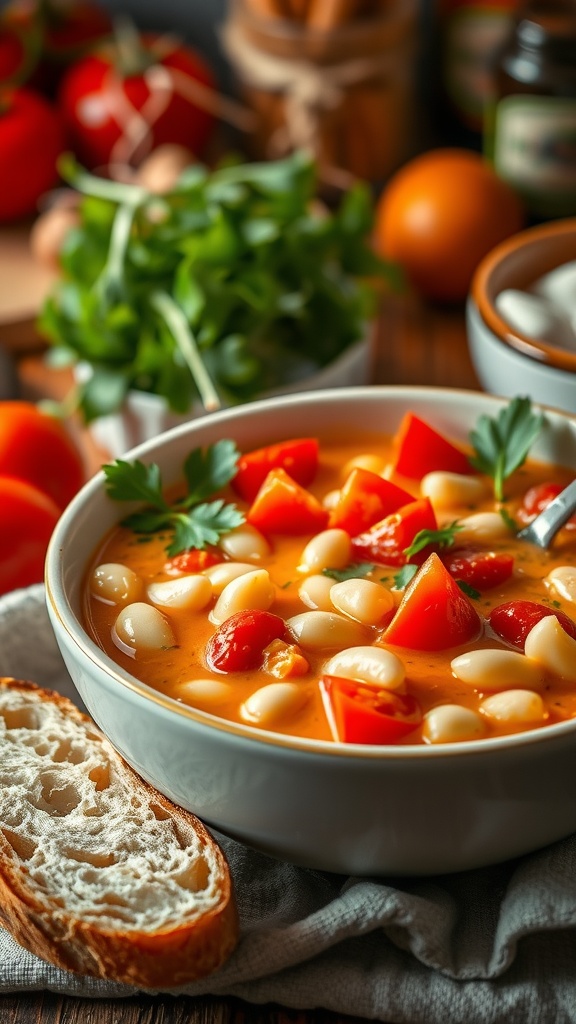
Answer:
(352, 809)
(507, 361)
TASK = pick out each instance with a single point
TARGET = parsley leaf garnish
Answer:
(354, 571)
(443, 538)
(192, 521)
(501, 444)
(509, 520)
(402, 578)
(471, 592)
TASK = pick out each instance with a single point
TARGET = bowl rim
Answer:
(539, 351)
(61, 610)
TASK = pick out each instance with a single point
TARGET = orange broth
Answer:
(428, 674)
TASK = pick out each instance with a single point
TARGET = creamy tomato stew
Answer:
(365, 590)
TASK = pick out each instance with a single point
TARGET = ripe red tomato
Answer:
(20, 45)
(27, 519)
(364, 714)
(37, 448)
(434, 614)
(537, 498)
(283, 506)
(238, 643)
(386, 541)
(298, 457)
(365, 499)
(479, 569)
(31, 140)
(106, 97)
(421, 449)
(514, 620)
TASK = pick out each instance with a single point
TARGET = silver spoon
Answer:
(543, 529)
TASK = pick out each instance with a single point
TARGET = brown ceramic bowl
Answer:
(508, 362)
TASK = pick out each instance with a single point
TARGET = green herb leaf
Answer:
(204, 524)
(501, 444)
(354, 571)
(470, 592)
(134, 481)
(191, 520)
(509, 520)
(442, 538)
(403, 577)
(233, 282)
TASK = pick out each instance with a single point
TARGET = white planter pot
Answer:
(144, 415)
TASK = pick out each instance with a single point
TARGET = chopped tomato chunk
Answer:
(359, 713)
(239, 642)
(538, 498)
(514, 620)
(195, 560)
(364, 499)
(479, 569)
(283, 506)
(420, 449)
(434, 614)
(299, 457)
(386, 541)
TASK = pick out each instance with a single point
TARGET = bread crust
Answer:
(163, 958)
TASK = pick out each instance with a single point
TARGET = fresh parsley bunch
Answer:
(231, 283)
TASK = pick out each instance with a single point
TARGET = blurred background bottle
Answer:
(471, 33)
(530, 126)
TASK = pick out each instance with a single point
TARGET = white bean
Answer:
(373, 665)
(221, 574)
(321, 630)
(452, 723)
(251, 590)
(190, 592)
(273, 703)
(562, 581)
(315, 592)
(331, 499)
(203, 692)
(245, 544)
(551, 646)
(363, 600)
(497, 669)
(515, 707)
(329, 549)
(448, 489)
(367, 460)
(482, 526)
(140, 625)
(115, 583)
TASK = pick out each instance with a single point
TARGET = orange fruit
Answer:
(438, 217)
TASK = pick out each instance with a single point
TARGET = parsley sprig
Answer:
(193, 521)
(443, 538)
(231, 283)
(501, 444)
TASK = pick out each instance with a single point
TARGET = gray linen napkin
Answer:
(485, 946)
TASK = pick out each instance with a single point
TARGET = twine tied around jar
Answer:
(310, 90)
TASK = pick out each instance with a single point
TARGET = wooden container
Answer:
(346, 93)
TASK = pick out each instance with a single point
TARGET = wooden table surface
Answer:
(417, 344)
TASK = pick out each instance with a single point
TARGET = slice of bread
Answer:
(99, 873)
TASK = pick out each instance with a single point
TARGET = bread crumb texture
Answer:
(87, 840)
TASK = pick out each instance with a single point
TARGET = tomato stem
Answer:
(132, 58)
(178, 326)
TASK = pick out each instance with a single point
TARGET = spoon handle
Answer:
(543, 529)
